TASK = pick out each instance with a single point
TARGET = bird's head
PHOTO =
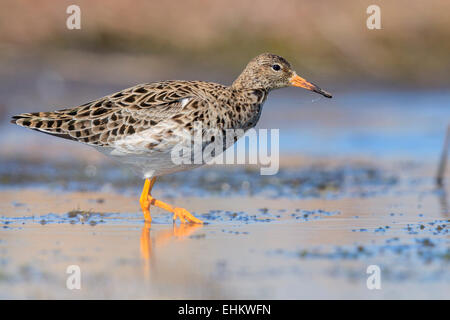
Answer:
(269, 71)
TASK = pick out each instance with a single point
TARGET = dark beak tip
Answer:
(324, 93)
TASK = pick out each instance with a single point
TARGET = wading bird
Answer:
(140, 125)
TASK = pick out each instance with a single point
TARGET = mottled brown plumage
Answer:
(102, 122)
(146, 117)
(142, 125)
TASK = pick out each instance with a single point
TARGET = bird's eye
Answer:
(276, 67)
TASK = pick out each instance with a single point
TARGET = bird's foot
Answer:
(184, 216)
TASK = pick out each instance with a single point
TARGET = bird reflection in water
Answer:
(160, 238)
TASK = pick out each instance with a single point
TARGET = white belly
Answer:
(133, 151)
(151, 164)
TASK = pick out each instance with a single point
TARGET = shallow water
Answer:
(271, 248)
(355, 188)
(381, 124)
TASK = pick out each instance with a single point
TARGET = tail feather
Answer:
(45, 122)
(73, 124)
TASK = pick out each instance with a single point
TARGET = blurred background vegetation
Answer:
(327, 39)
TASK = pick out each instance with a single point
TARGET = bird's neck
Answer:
(247, 81)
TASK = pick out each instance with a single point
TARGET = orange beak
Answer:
(297, 81)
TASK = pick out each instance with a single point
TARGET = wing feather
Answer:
(105, 120)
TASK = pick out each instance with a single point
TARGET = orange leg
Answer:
(146, 200)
